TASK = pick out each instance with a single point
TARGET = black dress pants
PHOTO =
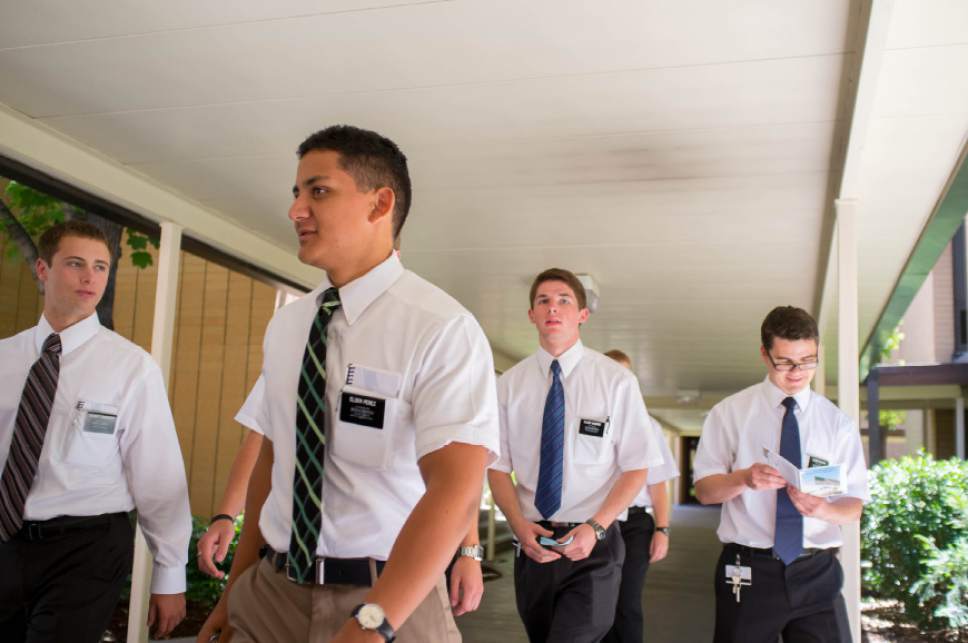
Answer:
(801, 601)
(61, 578)
(570, 602)
(637, 534)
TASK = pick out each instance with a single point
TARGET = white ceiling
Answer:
(683, 153)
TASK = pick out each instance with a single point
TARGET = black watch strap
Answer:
(218, 517)
(663, 530)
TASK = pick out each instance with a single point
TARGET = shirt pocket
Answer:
(592, 440)
(92, 442)
(364, 427)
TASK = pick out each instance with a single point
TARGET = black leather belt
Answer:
(551, 524)
(808, 552)
(329, 571)
(40, 530)
(634, 511)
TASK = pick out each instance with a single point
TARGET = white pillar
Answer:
(960, 427)
(162, 334)
(820, 378)
(848, 383)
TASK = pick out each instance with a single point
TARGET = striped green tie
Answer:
(307, 488)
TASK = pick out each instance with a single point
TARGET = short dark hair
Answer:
(618, 356)
(788, 322)
(559, 274)
(373, 161)
(50, 240)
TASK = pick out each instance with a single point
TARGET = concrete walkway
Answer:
(678, 595)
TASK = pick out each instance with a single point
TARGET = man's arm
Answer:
(659, 494)
(527, 532)
(454, 478)
(466, 578)
(837, 512)
(214, 544)
(250, 541)
(622, 494)
(722, 487)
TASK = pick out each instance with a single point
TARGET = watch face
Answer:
(371, 616)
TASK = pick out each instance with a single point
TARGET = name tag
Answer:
(736, 573)
(817, 462)
(362, 410)
(594, 428)
(99, 423)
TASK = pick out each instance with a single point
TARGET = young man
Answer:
(379, 415)
(86, 435)
(572, 432)
(645, 533)
(778, 573)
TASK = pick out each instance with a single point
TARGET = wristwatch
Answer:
(371, 618)
(599, 530)
(473, 551)
(663, 530)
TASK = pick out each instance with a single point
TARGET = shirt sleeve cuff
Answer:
(431, 440)
(699, 474)
(167, 580)
(248, 422)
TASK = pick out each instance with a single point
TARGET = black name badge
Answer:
(817, 462)
(363, 410)
(592, 427)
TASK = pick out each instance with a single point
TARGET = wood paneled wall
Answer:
(219, 325)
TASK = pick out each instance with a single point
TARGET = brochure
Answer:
(817, 481)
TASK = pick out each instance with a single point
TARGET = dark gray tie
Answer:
(28, 437)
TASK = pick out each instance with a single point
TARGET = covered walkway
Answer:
(678, 595)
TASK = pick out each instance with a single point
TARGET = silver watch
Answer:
(474, 551)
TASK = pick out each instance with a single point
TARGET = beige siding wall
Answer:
(219, 324)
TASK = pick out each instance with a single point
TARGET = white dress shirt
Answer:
(596, 388)
(404, 342)
(84, 472)
(733, 437)
(668, 470)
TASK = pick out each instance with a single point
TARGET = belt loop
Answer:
(320, 570)
(373, 573)
(34, 532)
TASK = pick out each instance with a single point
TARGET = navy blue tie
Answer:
(788, 536)
(547, 497)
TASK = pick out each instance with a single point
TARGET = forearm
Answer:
(843, 511)
(505, 497)
(251, 540)
(721, 487)
(620, 497)
(428, 540)
(233, 500)
(659, 494)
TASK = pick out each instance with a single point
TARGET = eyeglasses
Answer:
(786, 367)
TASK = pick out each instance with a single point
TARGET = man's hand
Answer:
(217, 624)
(466, 585)
(582, 545)
(659, 547)
(165, 611)
(806, 504)
(351, 632)
(527, 533)
(762, 476)
(214, 545)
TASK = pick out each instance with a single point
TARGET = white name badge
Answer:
(98, 418)
(739, 572)
(378, 381)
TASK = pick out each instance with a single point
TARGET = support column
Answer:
(848, 384)
(162, 334)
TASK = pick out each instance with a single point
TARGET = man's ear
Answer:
(41, 268)
(383, 204)
(583, 315)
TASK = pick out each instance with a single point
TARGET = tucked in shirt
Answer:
(421, 356)
(596, 389)
(734, 436)
(110, 444)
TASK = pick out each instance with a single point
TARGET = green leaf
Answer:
(141, 258)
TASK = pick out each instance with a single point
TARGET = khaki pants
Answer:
(266, 607)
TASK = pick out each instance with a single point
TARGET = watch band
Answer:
(599, 530)
(472, 551)
(218, 517)
(384, 628)
(663, 530)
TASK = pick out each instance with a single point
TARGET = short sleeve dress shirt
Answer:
(86, 469)
(733, 437)
(668, 470)
(395, 338)
(596, 388)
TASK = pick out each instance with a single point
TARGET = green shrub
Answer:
(914, 537)
(204, 589)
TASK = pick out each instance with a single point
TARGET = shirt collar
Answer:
(776, 396)
(71, 337)
(361, 292)
(567, 360)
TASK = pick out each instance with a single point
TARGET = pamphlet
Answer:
(822, 481)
